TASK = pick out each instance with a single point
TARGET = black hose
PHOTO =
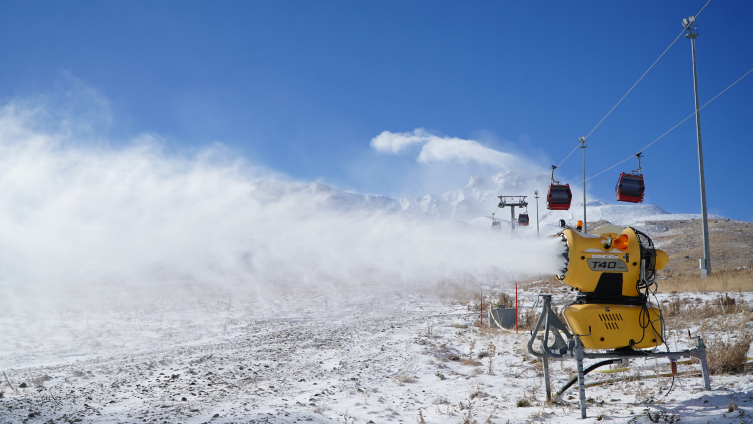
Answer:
(586, 371)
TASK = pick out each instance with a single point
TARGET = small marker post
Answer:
(481, 312)
(516, 307)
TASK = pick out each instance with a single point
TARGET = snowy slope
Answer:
(473, 203)
(478, 198)
(357, 356)
(270, 191)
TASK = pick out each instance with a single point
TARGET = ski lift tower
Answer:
(512, 202)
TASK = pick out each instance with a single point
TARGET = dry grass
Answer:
(523, 403)
(506, 300)
(405, 378)
(456, 292)
(492, 351)
(726, 356)
(740, 280)
(690, 309)
(38, 382)
(527, 319)
(724, 317)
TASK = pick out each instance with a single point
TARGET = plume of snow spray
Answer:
(97, 217)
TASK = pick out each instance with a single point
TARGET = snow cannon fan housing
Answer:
(609, 270)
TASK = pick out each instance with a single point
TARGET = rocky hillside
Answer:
(731, 243)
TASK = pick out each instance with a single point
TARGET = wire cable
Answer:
(625, 95)
(570, 154)
(586, 371)
(631, 88)
(670, 388)
(669, 130)
(704, 6)
(636, 83)
(644, 74)
(563, 161)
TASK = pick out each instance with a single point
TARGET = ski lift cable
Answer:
(644, 74)
(670, 130)
(636, 83)
(623, 97)
(568, 155)
(563, 161)
(631, 88)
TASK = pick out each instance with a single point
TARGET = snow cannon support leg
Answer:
(581, 376)
(545, 362)
(704, 366)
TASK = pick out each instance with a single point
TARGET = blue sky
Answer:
(303, 87)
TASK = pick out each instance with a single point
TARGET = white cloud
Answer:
(389, 142)
(459, 150)
(441, 149)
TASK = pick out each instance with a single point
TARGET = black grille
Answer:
(610, 317)
(648, 253)
(610, 320)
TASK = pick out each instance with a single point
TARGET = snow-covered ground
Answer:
(355, 354)
(142, 287)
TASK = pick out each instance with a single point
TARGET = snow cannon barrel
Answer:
(608, 265)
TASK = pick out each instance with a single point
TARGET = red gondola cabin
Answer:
(559, 197)
(630, 188)
(523, 220)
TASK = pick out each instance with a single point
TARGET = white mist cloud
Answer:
(442, 149)
(95, 217)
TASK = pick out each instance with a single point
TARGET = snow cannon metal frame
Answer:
(614, 272)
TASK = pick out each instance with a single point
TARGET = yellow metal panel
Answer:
(613, 326)
(582, 247)
(609, 229)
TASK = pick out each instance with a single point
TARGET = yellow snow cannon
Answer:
(614, 272)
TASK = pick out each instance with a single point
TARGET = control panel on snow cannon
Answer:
(614, 272)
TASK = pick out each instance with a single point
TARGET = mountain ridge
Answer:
(472, 204)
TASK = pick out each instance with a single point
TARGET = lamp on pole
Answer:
(585, 221)
(691, 30)
(536, 195)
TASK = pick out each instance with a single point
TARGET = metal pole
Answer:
(581, 376)
(545, 360)
(536, 195)
(585, 221)
(512, 220)
(547, 384)
(706, 261)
